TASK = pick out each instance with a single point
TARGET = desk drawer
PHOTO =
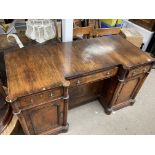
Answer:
(139, 70)
(42, 97)
(93, 77)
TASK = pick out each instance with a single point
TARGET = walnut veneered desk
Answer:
(44, 80)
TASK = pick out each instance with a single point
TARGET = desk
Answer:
(44, 80)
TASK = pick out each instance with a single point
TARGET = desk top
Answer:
(34, 68)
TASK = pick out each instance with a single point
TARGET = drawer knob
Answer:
(108, 73)
(31, 101)
(51, 95)
(134, 72)
(78, 82)
(145, 69)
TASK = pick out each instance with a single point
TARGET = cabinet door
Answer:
(46, 118)
(129, 89)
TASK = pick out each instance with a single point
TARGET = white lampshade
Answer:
(40, 30)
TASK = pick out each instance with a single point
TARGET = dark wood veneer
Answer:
(107, 68)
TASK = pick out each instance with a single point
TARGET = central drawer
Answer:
(94, 77)
(38, 98)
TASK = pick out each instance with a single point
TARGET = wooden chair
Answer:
(5, 110)
(2, 91)
(105, 31)
(95, 23)
(82, 32)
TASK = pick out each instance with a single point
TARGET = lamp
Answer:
(40, 30)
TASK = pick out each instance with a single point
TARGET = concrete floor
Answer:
(138, 119)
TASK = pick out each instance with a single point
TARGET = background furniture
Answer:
(12, 127)
(106, 31)
(148, 24)
(82, 32)
(151, 46)
(132, 36)
(147, 35)
(5, 110)
(95, 23)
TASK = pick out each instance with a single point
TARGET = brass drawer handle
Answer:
(78, 82)
(108, 73)
(145, 69)
(31, 101)
(133, 73)
(51, 95)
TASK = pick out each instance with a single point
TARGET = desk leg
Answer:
(66, 100)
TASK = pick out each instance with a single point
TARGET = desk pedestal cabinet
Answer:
(121, 90)
(44, 112)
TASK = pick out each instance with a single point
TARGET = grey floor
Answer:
(138, 119)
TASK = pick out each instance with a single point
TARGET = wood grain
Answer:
(108, 68)
(84, 32)
(106, 31)
(38, 67)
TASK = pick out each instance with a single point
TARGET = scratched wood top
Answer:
(43, 66)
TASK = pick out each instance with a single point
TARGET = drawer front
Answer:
(139, 70)
(93, 77)
(36, 99)
(46, 118)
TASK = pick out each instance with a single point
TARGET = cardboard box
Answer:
(133, 36)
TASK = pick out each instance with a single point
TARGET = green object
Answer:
(111, 22)
(119, 21)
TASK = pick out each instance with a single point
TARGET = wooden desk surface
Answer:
(44, 66)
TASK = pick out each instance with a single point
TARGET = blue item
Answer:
(104, 25)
